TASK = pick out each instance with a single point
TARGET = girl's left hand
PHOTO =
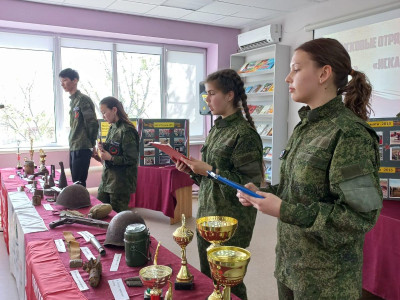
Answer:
(104, 155)
(270, 204)
(198, 166)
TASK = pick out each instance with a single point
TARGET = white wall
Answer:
(294, 34)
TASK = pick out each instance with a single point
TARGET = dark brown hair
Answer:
(357, 91)
(229, 80)
(111, 102)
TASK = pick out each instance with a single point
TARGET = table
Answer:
(164, 189)
(381, 269)
(44, 273)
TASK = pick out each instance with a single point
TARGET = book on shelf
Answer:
(248, 89)
(266, 130)
(269, 132)
(268, 155)
(266, 150)
(271, 88)
(265, 87)
(248, 67)
(265, 64)
(252, 108)
(260, 128)
(265, 109)
(270, 109)
(258, 109)
(255, 88)
(268, 174)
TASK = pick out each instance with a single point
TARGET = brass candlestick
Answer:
(216, 230)
(228, 266)
(42, 155)
(31, 151)
(183, 236)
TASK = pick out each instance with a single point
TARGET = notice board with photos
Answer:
(388, 130)
(174, 132)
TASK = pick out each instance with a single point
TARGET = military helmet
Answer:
(118, 224)
(74, 196)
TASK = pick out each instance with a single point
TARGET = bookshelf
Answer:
(260, 102)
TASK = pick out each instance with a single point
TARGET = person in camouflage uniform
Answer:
(120, 156)
(329, 194)
(233, 149)
(84, 127)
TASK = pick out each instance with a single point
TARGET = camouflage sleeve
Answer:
(130, 149)
(246, 162)
(354, 183)
(89, 116)
(270, 189)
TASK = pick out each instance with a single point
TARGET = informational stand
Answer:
(388, 130)
(104, 127)
(174, 132)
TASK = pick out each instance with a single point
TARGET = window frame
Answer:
(109, 44)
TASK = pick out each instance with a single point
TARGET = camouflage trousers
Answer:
(315, 293)
(202, 245)
(119, 201)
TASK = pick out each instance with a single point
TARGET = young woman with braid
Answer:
(233, 149)
(329, 194)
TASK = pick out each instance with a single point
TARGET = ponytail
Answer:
(357, 94)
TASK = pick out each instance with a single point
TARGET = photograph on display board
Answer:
(179, 141)
(164, 160)
(148, 133)
(394, 188)
(179, 149)
(146, 142)
(395, 137)
(384, 187)
(149, 151)
(395, 153)
(164, 132)
(179, 132)
(381, 153)
(380, 135)
(149, 161)
(164, 140)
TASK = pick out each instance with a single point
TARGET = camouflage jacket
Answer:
(331, 197)
(83, 122)
(122, 142)
(235, 149)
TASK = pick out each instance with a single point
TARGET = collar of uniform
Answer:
(328, 109)
(220, 123)
(73, 97)
(117, 124)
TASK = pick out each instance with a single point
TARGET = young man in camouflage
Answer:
(329, 194)
(84, 126)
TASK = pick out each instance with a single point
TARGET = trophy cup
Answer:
(42, 155)
(155, 277)
(216, 230)
(183, 236)
(228, 266)
(19, 166)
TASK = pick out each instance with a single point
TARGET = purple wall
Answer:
(220, 42)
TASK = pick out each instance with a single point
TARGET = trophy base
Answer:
(184, 285)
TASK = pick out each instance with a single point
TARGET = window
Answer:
(138, 75)
(185, 71)
(26, 85)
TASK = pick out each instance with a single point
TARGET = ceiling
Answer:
(240, 14)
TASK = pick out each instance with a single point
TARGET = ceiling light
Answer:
(185, 4)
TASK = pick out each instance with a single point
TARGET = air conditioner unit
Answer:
(260, 37)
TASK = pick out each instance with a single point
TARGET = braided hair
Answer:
(229, 80)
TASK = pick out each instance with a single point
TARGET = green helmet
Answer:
(118, 224)
(74, 196)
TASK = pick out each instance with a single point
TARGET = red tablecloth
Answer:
(381, 270)
(48, 271)
(156, 188)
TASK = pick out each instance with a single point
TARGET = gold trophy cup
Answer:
(156, 277)
(42, 155)
(183, 236)
(228, 266)
(216, 230)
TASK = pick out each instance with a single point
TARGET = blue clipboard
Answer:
(234, 185)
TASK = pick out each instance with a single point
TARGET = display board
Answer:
(104, 127)
(174, 132)
(388, 130)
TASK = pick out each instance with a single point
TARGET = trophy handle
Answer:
(168, 294)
